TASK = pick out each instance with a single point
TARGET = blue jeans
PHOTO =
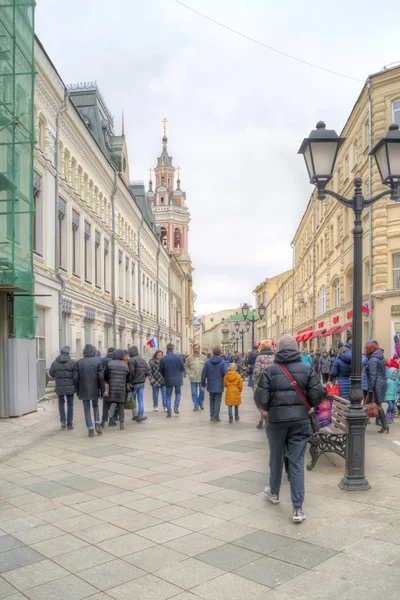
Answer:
(170, 389)
(230, 411)
(156, 390)
(96, 412)
(197, 394)
(70, 408)
(251, 382)
(215, 405)
(138, 393)
(292, 437)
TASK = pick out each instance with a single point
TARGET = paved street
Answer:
(175, 509)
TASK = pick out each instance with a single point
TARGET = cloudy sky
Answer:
(237, 111)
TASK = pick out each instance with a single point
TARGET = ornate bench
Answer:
(332, 437)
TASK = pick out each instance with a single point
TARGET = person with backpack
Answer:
(62, 370)
(138, 371)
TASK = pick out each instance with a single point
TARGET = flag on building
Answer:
(152, 343)
(365, 310)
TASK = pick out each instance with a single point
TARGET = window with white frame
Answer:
(349, 286)
(106, 265)
(396, 271)
(322, 300)
(97, 259)
(127, 279)
(336, 293)
(120, 276)
(396, 112)
(62, 233)
(75, 243)
(133, 285)
(88, 252)
(38, 214)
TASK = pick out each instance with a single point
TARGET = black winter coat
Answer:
(62, 370)
(376, 375)
(138, 367)
(89, 375)
(116, 375)
(278, 398)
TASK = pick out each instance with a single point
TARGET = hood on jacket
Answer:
(345, 357)
(63, 358)
(287, 355)
(267, 351)
(88, 351)
(216, 359)
(133, 351)
(66, 350)
(393, 373)
(305, 352)
(118, 354)
(109, 354)
(232, 375)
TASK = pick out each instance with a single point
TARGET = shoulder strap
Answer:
(294, 385)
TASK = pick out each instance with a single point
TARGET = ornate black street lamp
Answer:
(242, 332)
(261, 314)
(320, 151)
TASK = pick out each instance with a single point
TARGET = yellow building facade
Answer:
(272, 288)
(320, 311)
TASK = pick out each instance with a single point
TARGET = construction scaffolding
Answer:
(17, 138)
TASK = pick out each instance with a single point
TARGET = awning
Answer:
(344, 327)
(307, 336)
(299, 338)
(317, 334)
(331, 331)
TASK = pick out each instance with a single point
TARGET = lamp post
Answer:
(242, 332)
(261, 314)
(320, 152)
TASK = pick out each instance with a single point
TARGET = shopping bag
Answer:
(371, 406)
(333, 390)
(130, 402)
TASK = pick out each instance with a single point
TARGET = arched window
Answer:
(177, 237)
(336, 293)
(163, 236)
(349, 284)
(322, 300)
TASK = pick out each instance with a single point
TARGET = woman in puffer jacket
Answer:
(376, 378)
(341, 370)
(265, 358)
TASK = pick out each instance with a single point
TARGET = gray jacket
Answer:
(117, 376)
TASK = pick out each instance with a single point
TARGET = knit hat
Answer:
(287, 342)
(65, 350)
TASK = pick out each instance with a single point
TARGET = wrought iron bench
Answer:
(333, 436)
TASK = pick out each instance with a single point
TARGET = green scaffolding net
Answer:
(17, 137)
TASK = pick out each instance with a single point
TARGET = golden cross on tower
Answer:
(165, 121)
(179, 172)
(150, 173)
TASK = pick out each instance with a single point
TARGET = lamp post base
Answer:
(354, 485)
(354, 477)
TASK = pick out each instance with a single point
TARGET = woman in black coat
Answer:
(62, 370)
(288, 424)
(375, 371)
(117, 376)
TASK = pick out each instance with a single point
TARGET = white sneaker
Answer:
(165, 410)
(298, 515)
(155, 409)
(274, 498)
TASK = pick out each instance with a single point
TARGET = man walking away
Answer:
(62, 370)
(105, 362)
(138, 371)
(237, 359)
(194, 366)
(317, 362)
(324, 367)
(212, 376)
(172, 369)
(117, 376)
(251, 362)
(89, 386)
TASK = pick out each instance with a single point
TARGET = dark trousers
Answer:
(294, 437)
(119, 410)
(215, 405)
(325, 377)
(70, 409)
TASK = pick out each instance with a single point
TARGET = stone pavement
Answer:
(175, 509)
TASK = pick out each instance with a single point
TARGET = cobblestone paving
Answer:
(175, 509)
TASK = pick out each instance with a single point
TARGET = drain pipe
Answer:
(113, 255)
(158, 293)
(60, 111)
(369, 209)
(291, 243)
(140, 299)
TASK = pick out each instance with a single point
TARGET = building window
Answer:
(336, 293)
(177, 238)
(88, 253)
(75, 243)
(38, 214)
(40, 333)
(396, 112)
(349, 284)
(162, 200)
(97, 260)
(106, 265)
(163, 236)
(127, 279)
(322, 300)
(133, 294)
(120, 275)
(62, 233)
(396, 271)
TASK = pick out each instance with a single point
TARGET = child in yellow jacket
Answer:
(234, 384)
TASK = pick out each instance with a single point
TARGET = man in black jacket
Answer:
(62, 370)
(138, 371)
(251, 362)
(89, 386)
(116, 375)
(289, 423)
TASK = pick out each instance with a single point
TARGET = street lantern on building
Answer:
(242, 332)
(320, 151)
(261, 314)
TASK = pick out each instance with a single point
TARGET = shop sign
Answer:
(320, 324)
(335, 320)
(350, 314)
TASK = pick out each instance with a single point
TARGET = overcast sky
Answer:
(237, 112)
